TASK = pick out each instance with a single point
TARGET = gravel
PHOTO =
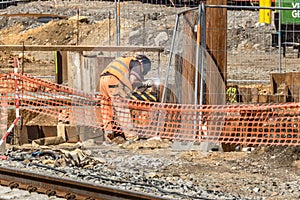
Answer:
(257, 174)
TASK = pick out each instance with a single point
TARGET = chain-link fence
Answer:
(247, 52)
(237, 51)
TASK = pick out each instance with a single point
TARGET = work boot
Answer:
(132, 138)
(108, 136)
(131, 135)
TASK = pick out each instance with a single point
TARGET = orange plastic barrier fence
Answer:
(269, 124)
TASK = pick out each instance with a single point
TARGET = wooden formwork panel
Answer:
(68, 132)
(84, 71)
(286, 84)
(293, 83)
(245, 95)
(277, 98)
(28, 134)
(251, 95)
(48, 131)
(72, 134)
(278, 82)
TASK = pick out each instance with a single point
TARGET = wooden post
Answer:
(64, 62)
(92, 67)
(58, 67)
(61, 66)
(216, 27)
(216, 58)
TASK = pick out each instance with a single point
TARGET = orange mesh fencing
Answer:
(268, 124)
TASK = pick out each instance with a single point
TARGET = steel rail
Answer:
(66, 188)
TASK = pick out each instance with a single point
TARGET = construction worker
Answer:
(117, 81)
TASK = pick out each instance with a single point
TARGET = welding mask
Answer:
(146, 63)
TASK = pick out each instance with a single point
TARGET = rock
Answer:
(84, 19)
(161, 39)
(256, 189)
(296, 164)
(48, 162)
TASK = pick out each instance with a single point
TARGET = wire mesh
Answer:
(251, 58)
(274, 124)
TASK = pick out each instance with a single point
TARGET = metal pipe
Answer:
(170, 58)
(78, 48)
(117, 12)
(279, 38)
(197, 69)
(187, 10)
(17, 92)
(23, 57)
(240, 7)
(144, 27)
(248, 81)
(118, 23)
(251, 7)
(160, 118)
(77, 26)
(203, 60)
(158, 65)
(197, 58)
(17, 102)
(109, 31)
(8, 131)
(202, 55)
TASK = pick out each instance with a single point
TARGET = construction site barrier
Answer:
(266, 124)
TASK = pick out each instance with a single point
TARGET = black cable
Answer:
(47, 167)
(121, 181)
(147, 185)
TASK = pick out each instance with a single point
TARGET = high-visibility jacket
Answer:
(120, 69)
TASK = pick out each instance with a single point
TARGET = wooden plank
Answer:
(84, 74)
(61, 131)
(91, 69)
(277, 98)
(263, 98)
(34, 15)
(86, 133)
(188, 58)
(28, 134)
(79, 48)
(64, 66)
(74, 70)
(293, 83)
(48, 131)
(72, 134)
(278, 82)
(58, 67)
(216, 29)
(178, 78)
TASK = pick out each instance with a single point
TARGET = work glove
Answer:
(148, 83)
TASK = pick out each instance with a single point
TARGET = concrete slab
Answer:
(195, 146)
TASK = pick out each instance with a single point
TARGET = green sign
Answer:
(289, 16)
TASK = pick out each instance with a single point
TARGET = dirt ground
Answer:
(264, 173)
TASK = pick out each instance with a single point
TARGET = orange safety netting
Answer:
(268, 124)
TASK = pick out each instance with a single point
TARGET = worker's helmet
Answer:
(145, 61)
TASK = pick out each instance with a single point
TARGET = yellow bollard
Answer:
(265, 14)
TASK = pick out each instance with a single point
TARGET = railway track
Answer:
(65, 188)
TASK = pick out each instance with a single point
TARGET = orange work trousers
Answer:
(115, 113)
